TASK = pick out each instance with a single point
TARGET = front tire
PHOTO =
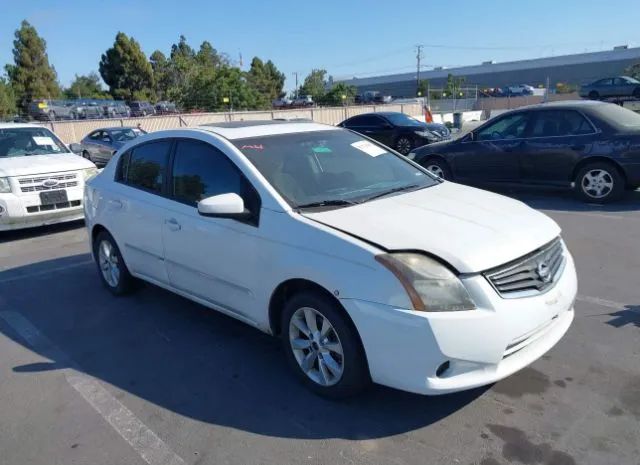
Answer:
(438, 167)
(86, 155)
(593, 95)
(113, 272)
(600, 183)
(404, 145)
(322, 346)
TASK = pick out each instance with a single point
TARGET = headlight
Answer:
(5, 187)
(431, 286)
(88, 173)
(427, 134)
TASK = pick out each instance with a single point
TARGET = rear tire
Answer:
(599, 182)
(439, 167)
(328, 359)
(113, 272)
(636, 92)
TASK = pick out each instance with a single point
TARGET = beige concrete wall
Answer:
(73, 131)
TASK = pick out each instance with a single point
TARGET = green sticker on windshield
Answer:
(321, 150)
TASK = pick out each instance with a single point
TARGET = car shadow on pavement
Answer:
(194, 362)
(27, 233)
(567, 201)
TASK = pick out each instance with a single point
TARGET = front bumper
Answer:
(25, 211)
(405, 349)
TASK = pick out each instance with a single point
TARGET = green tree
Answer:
(162, 77)
(126, 70)
(7, 100)
(423, 88)
(31, 76)
(86, 87)
(633, 71)
(336, 94)
(314, 84)
(453, 86)
(266, 80)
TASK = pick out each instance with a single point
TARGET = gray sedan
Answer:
(100, 145)
(621, 86)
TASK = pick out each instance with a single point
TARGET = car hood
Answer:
(40, 164)
(471, 229)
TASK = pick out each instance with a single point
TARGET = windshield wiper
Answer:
(328, 203)
(392, 191)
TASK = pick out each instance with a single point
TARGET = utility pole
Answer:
(295, 73)
(418, 57)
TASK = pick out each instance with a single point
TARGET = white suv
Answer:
(41, 181)
(366, 265)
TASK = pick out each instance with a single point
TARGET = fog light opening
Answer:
(1, 210)
(442, 368)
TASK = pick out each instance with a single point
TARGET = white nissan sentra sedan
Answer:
(366, 265)
(41, 181)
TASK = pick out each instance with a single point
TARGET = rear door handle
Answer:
(578, 147)
(173, 224)
(117, 204)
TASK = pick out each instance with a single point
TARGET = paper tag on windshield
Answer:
(44, 140)
(368, 148)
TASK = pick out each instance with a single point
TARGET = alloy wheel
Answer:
(316, 346)
(437, 170)
(403, 145)
(597, 183)
(108, 260)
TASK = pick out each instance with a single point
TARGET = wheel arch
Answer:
(597, 159)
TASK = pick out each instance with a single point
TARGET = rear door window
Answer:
(148, 165)
(558, 123)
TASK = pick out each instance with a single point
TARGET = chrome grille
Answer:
(529, 275)
(35, 184)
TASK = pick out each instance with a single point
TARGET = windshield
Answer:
(330, 166)
(20, 142)
(618, 116)
(123, 135)
(400, 119)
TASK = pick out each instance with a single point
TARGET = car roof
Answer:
(20, 125)
(564, 104)
(243, 129)
(114, 128)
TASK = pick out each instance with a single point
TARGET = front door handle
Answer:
(115, 203)
(173, 224)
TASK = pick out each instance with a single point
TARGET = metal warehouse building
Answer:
(569, 69)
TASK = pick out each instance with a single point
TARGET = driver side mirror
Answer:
(224, 206)
(75, 148)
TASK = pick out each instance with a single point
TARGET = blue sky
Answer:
(348, 38)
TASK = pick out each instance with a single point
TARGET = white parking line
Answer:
(601, 302)
(146, 443)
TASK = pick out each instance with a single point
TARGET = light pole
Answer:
(295, 73)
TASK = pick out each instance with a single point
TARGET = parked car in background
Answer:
(116, 109)
(85, 109)
(283, 102)
(41, 181)
(140, 108)
(52, 110)
(377, 270)
(99, 146)
(303, 101)
(591, 147)
(397, 130)
(620, 86)
(165, 108)
(519, 90)
(372, 96)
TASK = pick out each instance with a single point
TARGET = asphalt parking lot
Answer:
(86, 378)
